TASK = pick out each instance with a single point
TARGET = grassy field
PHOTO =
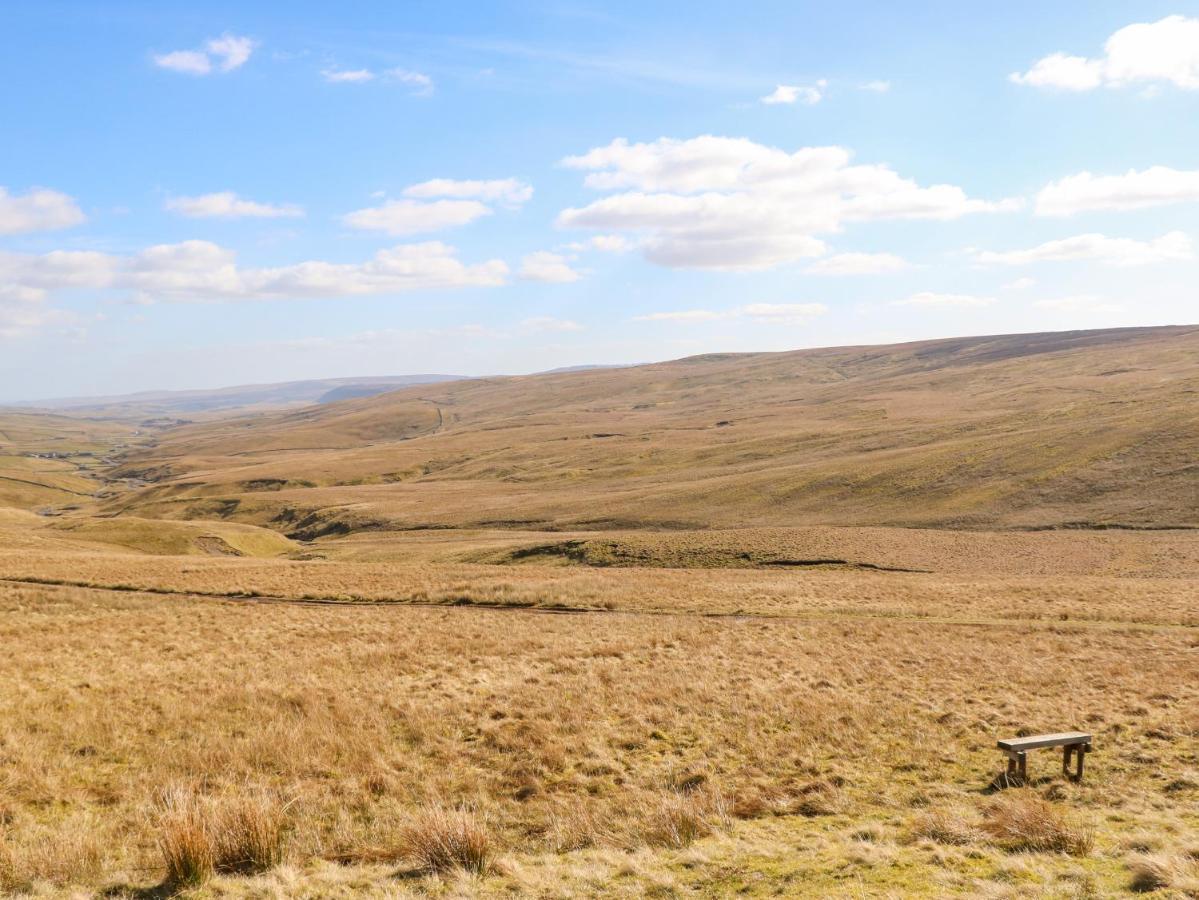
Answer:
(588, 754)
(743, 625)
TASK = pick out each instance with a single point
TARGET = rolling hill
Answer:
(1076, 429)
(150, 404)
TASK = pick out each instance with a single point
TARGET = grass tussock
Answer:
(1024, 821)
(1166, 871)
(946, 826)
(438, 839)
(677, 818)
(70, 854)
(200, 836)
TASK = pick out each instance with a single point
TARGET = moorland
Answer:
(734, 624)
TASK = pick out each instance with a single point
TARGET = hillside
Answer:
(1087, 428)
(149, 404)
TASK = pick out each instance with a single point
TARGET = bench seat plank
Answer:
(1064, 739)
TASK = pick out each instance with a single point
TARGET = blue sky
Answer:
(208, 194)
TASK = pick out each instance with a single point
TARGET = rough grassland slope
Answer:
(1092, 428)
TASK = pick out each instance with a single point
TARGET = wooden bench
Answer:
(1073, 743)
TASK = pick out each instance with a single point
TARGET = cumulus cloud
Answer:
(730, 203)
(932, 299)
(1163, 51)
(1112, 251)
(1155, 186)
(509, 191)
(788, 94)
(767, 313)
(200, 270)
(224, 54)
(439, 203)
(227, 205)
(38, 209)
(401, 217)
(858, 264)
(548, 267)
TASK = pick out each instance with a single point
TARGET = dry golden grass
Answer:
(598, 753)
(535, 698)
(1023, 430)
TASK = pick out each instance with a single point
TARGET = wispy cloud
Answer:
(228, 205)
(544, 266)
(808, 94)
(1111, 251)
(418, 83)
(763, 313)
(933, 299)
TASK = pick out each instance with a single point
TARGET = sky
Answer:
(207, 194)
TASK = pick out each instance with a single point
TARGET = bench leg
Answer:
(1066, 752)
(1081, 750)
(1023, 758)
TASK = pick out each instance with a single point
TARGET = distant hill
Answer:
(1074, 429)
(150, 404)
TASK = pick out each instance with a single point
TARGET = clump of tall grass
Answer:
(199, 836)
(1158, 871)
(439, 839)
(676, 818)
(66, 855)
(1022, 820)
(945, 826)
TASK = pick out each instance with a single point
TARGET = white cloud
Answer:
(549, 267)
(782, 313)
(1020, 284)
(421, 84)
(190, 62)
(1155, 186)
(764, 313)
(227, 205)
(401, 217)
(225, 53)
(510, 191)
(38, 209)
(729, 203)
(929, 298)
(683, 315)
(342, 76)
(1113, 251)
(231, 50)
(1079, 304)
(797, 93)
(200, 270)
(548, 324)
(605, 243)
(858, 264)
(1155, 52)
(877, 87)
